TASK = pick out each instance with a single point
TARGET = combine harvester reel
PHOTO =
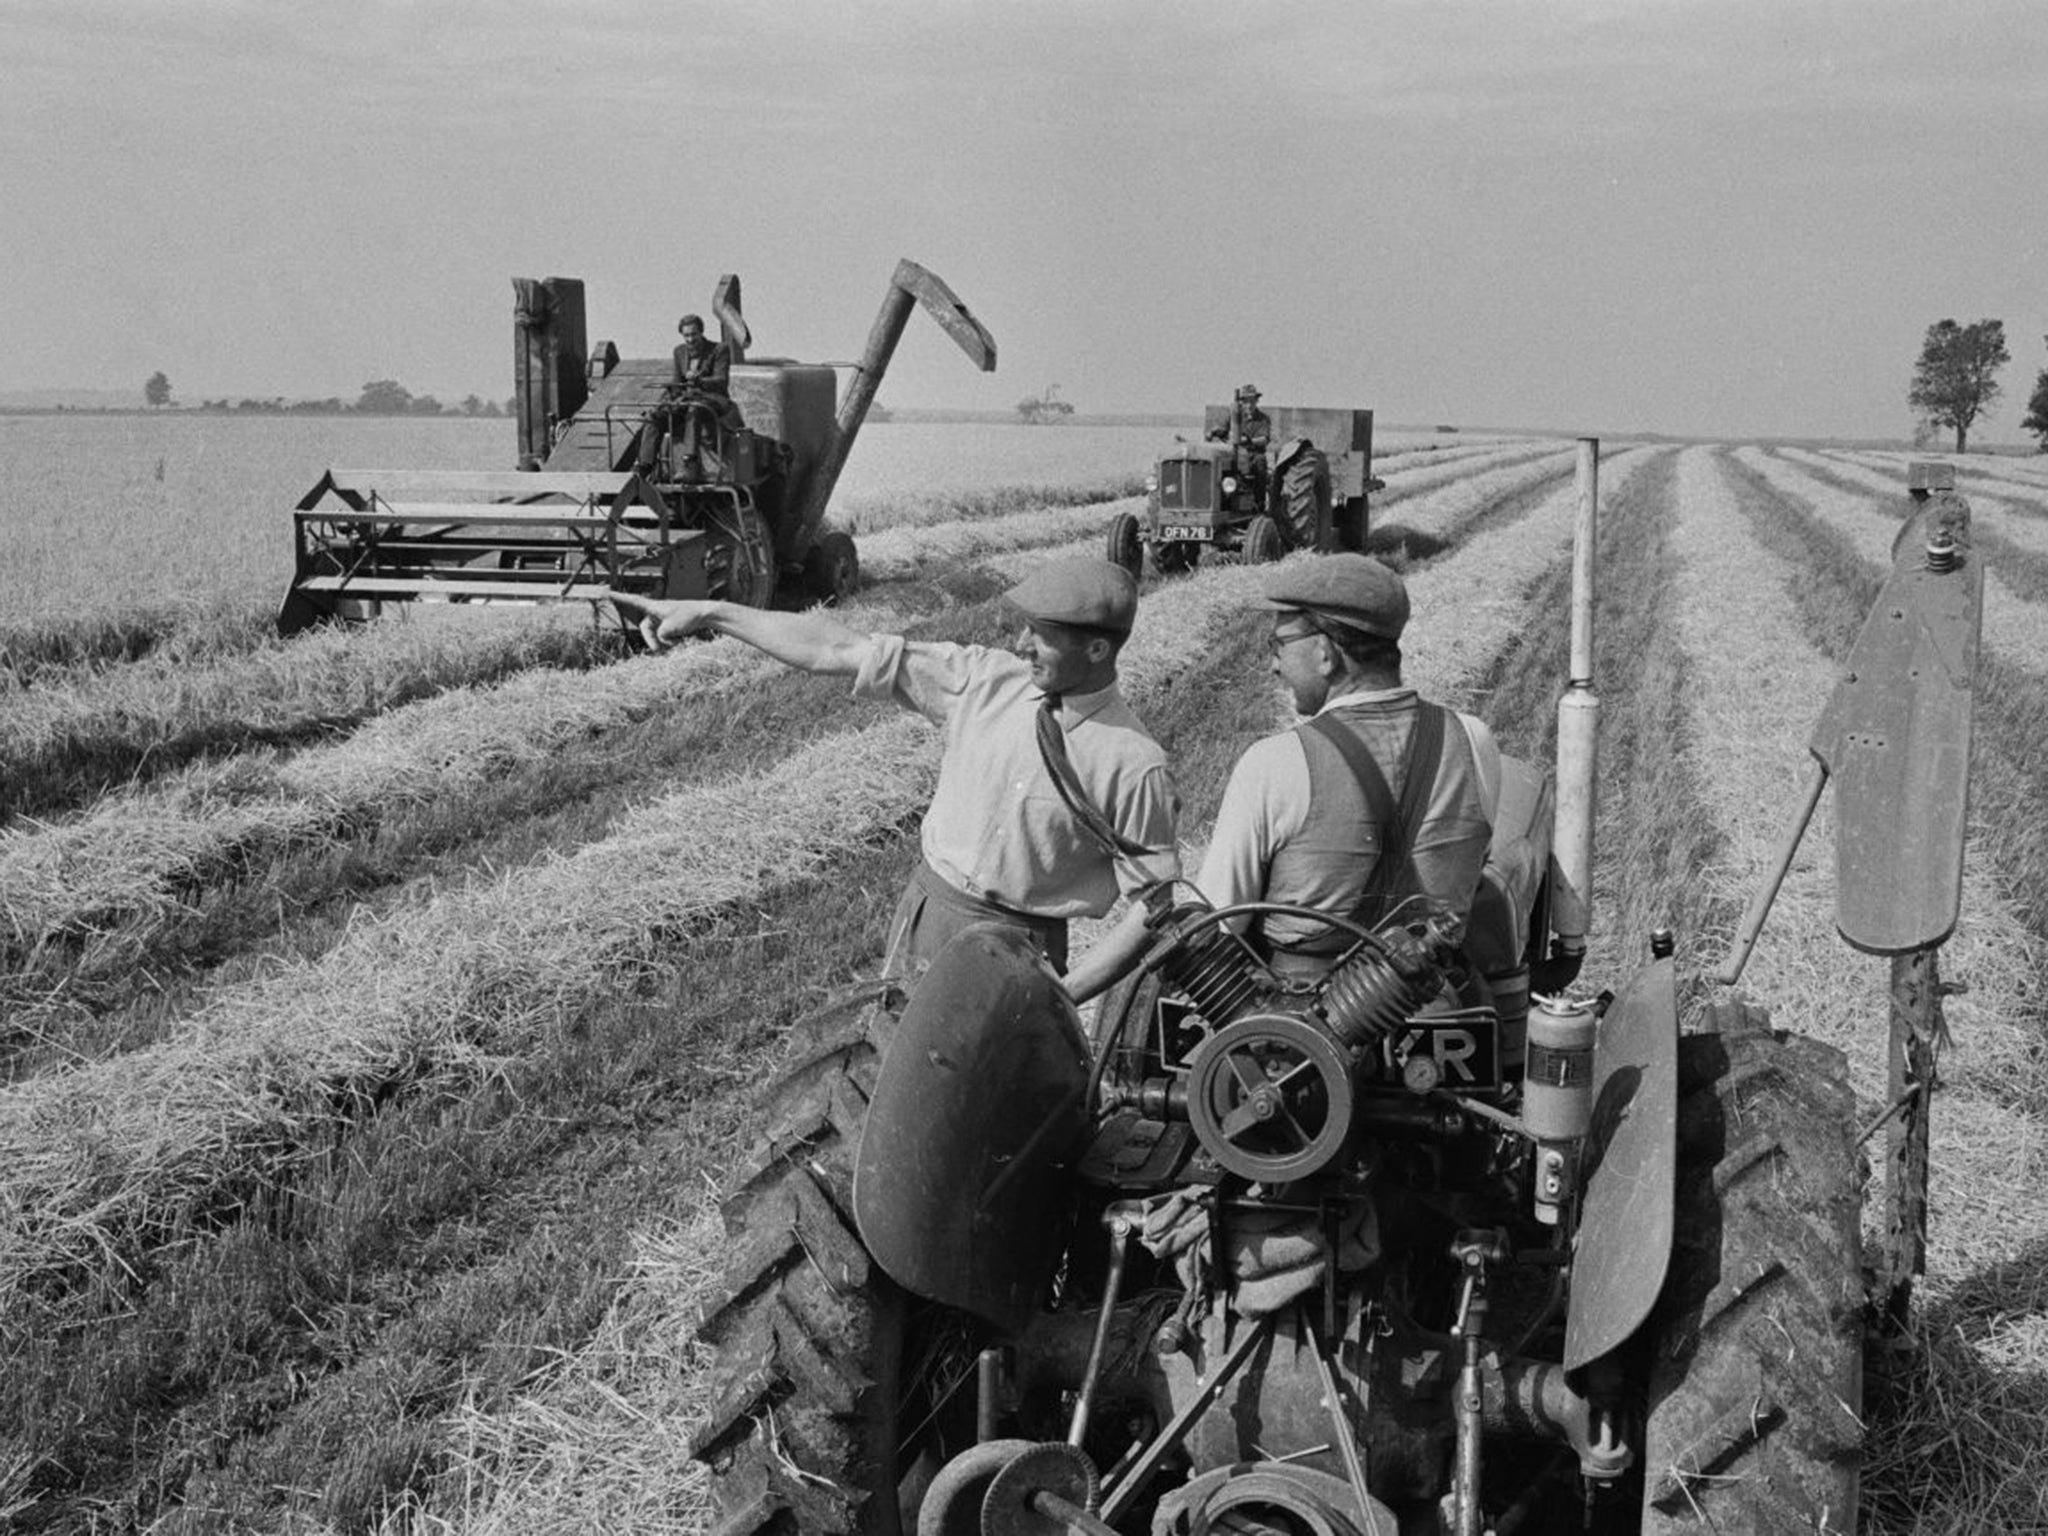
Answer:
(579, 518)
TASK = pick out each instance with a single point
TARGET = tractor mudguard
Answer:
(1280, 454)
(1628, 1169)
(1895, 738)
(960, 1188)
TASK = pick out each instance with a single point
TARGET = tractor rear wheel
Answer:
(803, 1430)
(1756, 1380)
(832, 568)
(1124, 548)
(1304, 508)
(1262, 543)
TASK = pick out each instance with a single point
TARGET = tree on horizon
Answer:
(1956, 379)
(158, 390)
(2036, 420)
(385, 397)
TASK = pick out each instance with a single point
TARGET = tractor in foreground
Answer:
(1402, 1250)
(587, 512)
(1304, 484)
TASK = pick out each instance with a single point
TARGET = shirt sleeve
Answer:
(1150, 817)
(929, 676)
(1486, 762)
(1264, 803)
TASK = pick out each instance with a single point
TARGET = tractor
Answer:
(1430, 1244)
(744, 519)
(1303, 486)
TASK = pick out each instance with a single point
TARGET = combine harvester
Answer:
(744, 521)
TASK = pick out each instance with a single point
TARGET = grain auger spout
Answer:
(911, 284)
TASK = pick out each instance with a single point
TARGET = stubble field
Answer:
(378, 1011)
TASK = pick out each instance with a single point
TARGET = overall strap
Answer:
(1398, 825)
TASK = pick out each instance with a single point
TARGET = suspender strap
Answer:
(1395, 871)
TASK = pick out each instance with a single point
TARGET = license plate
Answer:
(1180, 532)
(1465, 1046)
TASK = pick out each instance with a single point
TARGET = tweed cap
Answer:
(1084, 591)
(1354, 590)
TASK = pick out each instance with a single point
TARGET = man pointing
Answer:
(1052, 797)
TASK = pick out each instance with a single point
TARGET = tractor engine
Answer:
(1272, 1092)
(1249, 1228)
(1290, 1205)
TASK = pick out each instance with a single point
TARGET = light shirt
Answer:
(1266, 804)
(997, 827)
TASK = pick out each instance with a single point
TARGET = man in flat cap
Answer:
(1250, 432)
(1378, 796)
(1052, 798)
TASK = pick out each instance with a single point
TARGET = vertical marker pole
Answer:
(1578, 719)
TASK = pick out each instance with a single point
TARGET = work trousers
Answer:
(932, 911)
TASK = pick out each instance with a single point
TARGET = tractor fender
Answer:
(1281, 454)
(960, 1190)
(1628, 1169)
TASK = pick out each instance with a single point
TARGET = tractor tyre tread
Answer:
(1304, 509)
(1123, 546)
(1263, 541)
(1755, 1382)
(803, 1326)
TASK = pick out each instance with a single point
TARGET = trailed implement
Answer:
(594, 506)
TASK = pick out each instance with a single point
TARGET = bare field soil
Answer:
(379, 1012)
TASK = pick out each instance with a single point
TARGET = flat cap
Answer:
(1083, 591)
(1346, 589)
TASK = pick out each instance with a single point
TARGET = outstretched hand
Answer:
(661, 623)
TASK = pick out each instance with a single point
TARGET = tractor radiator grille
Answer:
(1186, 484)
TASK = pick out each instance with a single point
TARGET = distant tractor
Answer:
(1257, 485)
(742, 518)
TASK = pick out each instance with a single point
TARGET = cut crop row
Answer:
(65, 740)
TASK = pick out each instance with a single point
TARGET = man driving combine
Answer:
(1378, 796)
(1052, 797)
(700, 388)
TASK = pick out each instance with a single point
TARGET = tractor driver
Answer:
(1376, 797)
(699, 388)
(1249, 432)
(1044, 766)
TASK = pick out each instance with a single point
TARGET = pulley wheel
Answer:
(1013, 1506)
(952, 1504)
(1270, 1098)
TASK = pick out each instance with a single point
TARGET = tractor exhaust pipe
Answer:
(1578, 720)
(911, 285)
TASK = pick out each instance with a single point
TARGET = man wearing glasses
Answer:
(1377, 797)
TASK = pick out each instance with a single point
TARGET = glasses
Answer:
(1280, 642)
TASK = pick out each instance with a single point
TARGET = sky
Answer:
(1698, 217)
